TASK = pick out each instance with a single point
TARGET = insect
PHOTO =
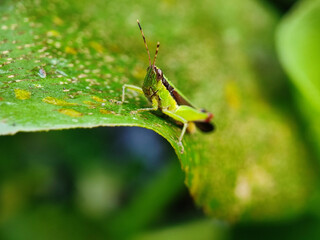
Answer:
(162, 94)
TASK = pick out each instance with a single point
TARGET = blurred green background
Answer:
(127, 183)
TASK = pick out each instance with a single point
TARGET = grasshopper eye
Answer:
(159, 74)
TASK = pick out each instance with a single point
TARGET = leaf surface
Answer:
(64, 64)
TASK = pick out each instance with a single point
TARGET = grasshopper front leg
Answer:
(139, 90)
(131, 87)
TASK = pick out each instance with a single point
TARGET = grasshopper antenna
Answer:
(155, 56)
(144, 40)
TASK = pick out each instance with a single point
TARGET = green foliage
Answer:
(298, 44)
(64, 64)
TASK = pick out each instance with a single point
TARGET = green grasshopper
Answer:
(164, 96)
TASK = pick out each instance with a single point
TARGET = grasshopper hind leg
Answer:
(185, 126)
(180, 119)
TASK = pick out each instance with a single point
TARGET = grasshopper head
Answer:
(153, 78)
(154, 72)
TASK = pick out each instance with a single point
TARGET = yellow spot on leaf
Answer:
(250, 180)
(196, 182)
(70, 112)
(70, 50)
(98, 99)
(89, 103)
(232, 95)
(96, 46)
(104, 111)
(56, 101)
(53, 33)
(22, 94)
(57, 21)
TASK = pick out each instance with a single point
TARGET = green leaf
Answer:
(202, 230)
(298, 45)
(64, 64)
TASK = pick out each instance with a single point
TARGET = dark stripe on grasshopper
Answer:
(168, 87)
(176, 96)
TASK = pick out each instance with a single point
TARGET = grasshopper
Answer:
(163, 95)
